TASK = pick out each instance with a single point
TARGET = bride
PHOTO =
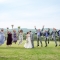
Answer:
(28, 41)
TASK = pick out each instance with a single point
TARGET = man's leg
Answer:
(46, 42)
(59, 40)
(48, 39)
(55, 41)
(40, 41)
(37, 41)
(32, 43)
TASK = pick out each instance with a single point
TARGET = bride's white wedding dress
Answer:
(28, 42)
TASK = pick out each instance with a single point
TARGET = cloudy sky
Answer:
(30, 13)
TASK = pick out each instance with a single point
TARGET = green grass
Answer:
(18, 52)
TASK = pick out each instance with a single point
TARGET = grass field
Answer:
(18, 52)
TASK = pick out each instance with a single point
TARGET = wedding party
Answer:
(29, 29)
(12, 37)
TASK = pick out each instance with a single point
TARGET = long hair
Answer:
(21, 31)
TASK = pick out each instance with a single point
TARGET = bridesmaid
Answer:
(9, 38)
(20, 36)
(2, 37)
(14, 36)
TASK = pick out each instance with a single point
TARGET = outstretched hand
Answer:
(34, 26)
(43, 26)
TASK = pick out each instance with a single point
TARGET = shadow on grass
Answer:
(12, 48)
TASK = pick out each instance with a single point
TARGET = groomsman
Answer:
(54, 36)
(59, 36)
(46, 34)
(39, 33)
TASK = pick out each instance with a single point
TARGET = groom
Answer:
(32, 39)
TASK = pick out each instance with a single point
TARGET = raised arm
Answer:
(42, 28)
(35, 28)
